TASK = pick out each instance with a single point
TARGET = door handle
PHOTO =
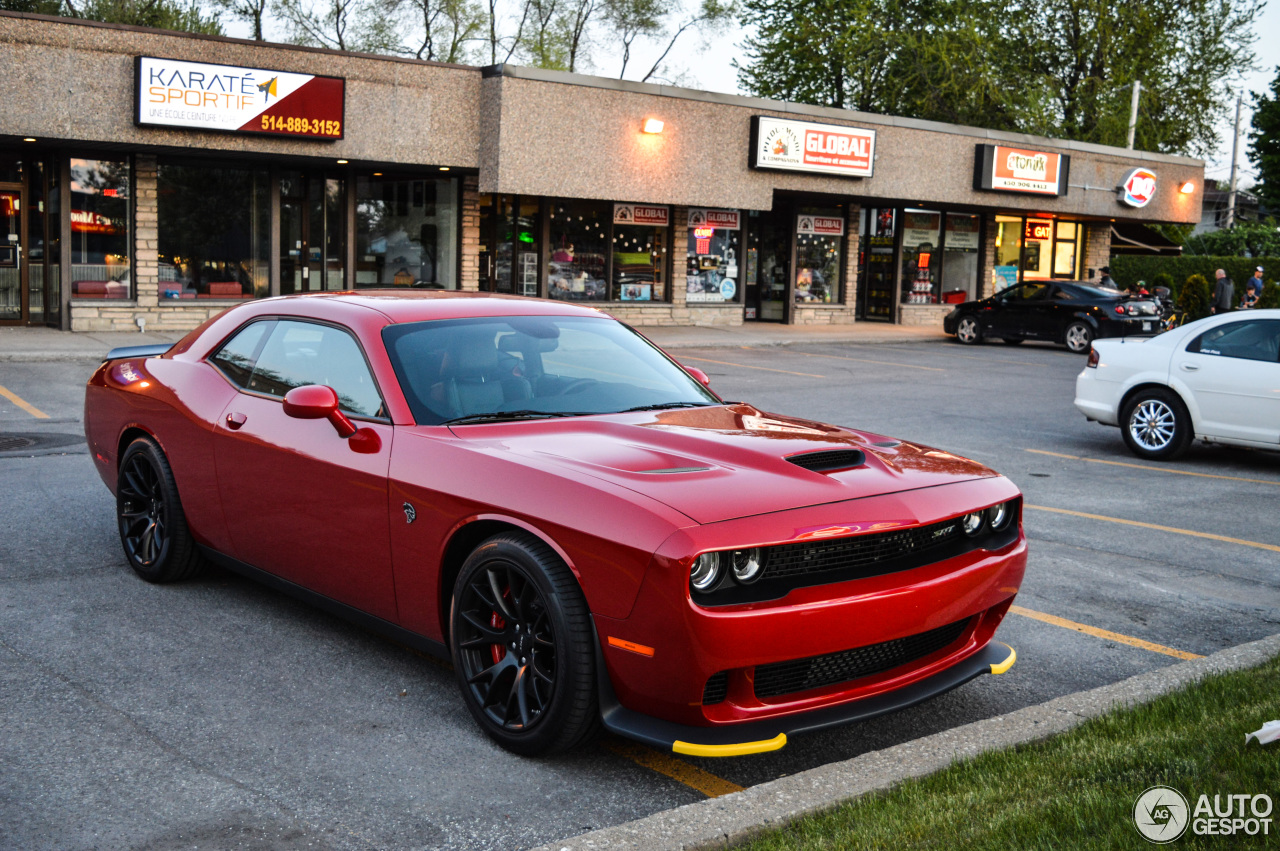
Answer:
(1188, 367)
(235, 420)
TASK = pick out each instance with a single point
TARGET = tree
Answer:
(660, 20)
(1193, 298)
(250, 11)
(1246, 239)
(362, 25)
(1264, 144)
(34, 7)
(440, 30)
(161, 14)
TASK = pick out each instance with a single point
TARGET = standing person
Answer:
(1255, 281)
(1107, 280)
(1223, 289)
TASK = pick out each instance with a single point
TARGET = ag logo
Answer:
(1160, 814)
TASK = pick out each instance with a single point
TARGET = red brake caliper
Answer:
(496, 621)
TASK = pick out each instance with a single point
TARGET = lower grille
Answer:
(871, 555)
(716, 688)
(818, 671)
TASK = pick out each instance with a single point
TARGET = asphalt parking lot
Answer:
(220, 714)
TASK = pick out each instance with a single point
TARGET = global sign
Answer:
(1138, 188)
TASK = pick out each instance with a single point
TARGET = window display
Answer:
(921, 230)
(214, 226)
(577, 263)
(712, 273)
(819, 237)
(639, 263)
(960, 248)
(406, 232)
(100, 225)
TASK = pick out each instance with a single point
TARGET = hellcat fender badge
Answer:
(410, 514)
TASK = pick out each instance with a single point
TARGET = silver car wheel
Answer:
(1079, 337)
(1152, 425)
(967, 329)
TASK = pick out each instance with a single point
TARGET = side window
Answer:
(301, 353)
(1250, 340)
(1064, 295)
(235, 358)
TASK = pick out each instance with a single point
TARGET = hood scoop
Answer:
(829, 461)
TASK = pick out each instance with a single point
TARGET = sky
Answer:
(706, 62)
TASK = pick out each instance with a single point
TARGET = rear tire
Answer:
(968, 331)
(1156, 425)
(1078, 337)
(153, 528)
(523, 647)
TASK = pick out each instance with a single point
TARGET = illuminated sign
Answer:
(999, 168)
(781, 144)
(702, 233)
(1138, 188)
(703, 217)
(1039, 230)
(820, 225)
(233, 99)
(641, 214)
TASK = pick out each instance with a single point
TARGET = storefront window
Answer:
(712, 271)
(819, 235)
(1008, 252)
(100, 239)
(579, 250)
(406, 232)
(960, 248)
(921, 231)
(509, 240)
(214, 231)
(639, 263)
(1037, 253)
(1066, 250)
(876, 270)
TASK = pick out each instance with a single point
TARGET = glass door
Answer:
(12, 272)
(769, 237)
(313, 235)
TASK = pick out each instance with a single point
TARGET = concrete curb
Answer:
(717, 822)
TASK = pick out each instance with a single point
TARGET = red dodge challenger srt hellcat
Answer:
(538, 492)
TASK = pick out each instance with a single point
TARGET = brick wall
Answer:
(469, 274)
(1097, 248)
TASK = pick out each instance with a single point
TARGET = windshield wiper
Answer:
(499, 416)
(662, 406)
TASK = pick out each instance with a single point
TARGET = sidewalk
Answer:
(46, 344)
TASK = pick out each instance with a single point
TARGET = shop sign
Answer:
(641, 214)
(703, 217)
(234, 99)
(1138, 188)
(1000, 168)
(820, 225)
(962, 233)
(1038, 230)
(919, 228)
(782, 144)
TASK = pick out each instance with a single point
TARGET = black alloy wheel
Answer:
(153, 528)
(1079, 337)
(523, 647)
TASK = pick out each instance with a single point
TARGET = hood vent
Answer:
(826, 462)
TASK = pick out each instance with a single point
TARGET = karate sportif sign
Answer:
(781, 144)
(233, 99)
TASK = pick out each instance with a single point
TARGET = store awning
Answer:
(1136, 238)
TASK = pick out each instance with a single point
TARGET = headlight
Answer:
(705, 572)
(998, 516)
(748, 565)
(972, 523)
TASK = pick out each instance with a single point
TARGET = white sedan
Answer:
(1216, 379)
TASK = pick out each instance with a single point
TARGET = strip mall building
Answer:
(157, 177)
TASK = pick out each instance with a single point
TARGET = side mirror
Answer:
(702, 377)
(318, 402)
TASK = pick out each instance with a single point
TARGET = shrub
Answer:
(1193, 298)
(1270, 295)
(1164, 279)
(1128, 269)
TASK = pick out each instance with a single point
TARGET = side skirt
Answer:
(364, 620)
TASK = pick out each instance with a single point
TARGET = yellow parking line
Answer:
(1272, 547)
(997, 360)
(1153, 469)
(1102, 633)
(745, 366)
(881, 362)
(23, 404)
(678, 770)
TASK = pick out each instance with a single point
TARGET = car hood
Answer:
(724, 462)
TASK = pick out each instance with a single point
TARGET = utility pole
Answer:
(1133, 113)
(1235, 144)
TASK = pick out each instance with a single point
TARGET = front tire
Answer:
(523, 647)
(1156, 425)
(968, 331)
(153, 528)
(1079, 337)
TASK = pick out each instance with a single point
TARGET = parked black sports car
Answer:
(1072, 313)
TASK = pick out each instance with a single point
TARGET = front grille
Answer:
(716, 688)
(823, 462)
(818, 671)
(863, 552)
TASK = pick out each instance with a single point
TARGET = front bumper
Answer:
(771, 734)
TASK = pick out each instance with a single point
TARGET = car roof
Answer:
(420, 305)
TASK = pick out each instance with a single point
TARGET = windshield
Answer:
(526, 367)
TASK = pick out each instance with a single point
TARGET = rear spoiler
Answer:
(151, 351)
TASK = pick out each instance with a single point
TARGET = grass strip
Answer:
(1075, 790)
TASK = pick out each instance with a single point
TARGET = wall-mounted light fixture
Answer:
(653, 125)
(342, 162)
(1188, 187)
